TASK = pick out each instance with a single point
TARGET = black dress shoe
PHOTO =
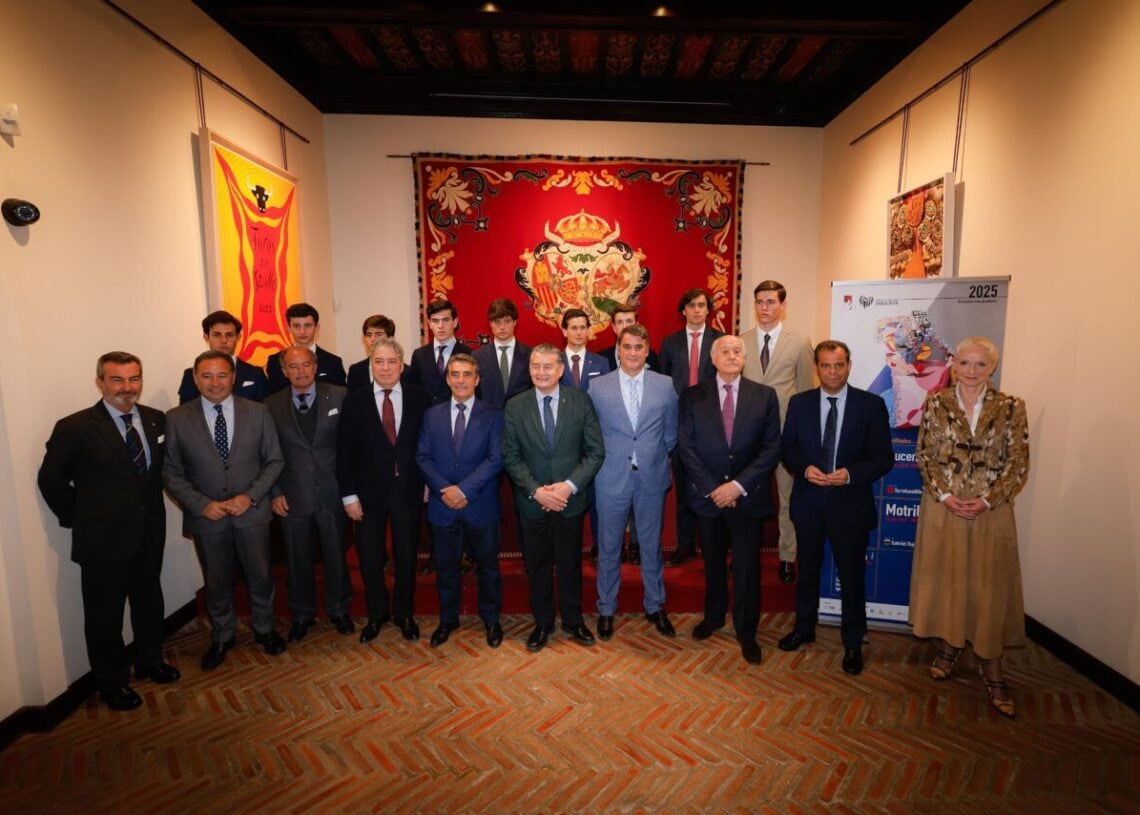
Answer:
(120, 698)
(344, 624)
(537, 639)
(750, 650)
(429, 566)
(787, 571)
(704, 629)
(440, 635)
(605, 626)
(794, 640)
(679, 557)
(271, 641)
(580, 633)
(298, 630)
(495, 635)
(162, 673)
(853, 661)
(409, 629)
(372, 629)
(661, 622)
(216, 655)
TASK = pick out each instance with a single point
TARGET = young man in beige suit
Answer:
(781, 359)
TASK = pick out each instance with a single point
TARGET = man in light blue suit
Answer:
(637, 410)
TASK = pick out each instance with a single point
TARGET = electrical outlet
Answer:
(10, 120)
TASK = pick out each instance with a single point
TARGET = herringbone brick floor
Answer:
(639, 724)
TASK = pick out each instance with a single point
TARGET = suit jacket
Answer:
(864, 449)
(653, 441)
(592, 366)
(359, 375)
(308, 480)
(330, 370)
(749, 458)
(368, 465)
(653, 363)
(195, 474)
(675, 357)
(88, 480)
(491, 381)
(475, 469)
(423, 370)
(249, 382)
(791, 364)
(530, 462)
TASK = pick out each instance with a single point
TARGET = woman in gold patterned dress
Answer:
(973, 454)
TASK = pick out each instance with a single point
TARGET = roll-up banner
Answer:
(902, 335)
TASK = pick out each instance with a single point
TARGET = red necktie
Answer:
(728, 413)
(576, 371)
(388, 416)
(694, 358)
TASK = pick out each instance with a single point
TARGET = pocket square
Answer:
(333, 412)
(247, 383)
(160, 439)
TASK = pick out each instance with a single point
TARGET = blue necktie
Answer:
(460, 429)
(829, 435)
(221, 437)
(134, 444)
(548, 420)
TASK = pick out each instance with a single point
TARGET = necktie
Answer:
(728, 413)
(764, 354)
(504, 367)
(388, 417)
(829, 435)
(576, 371)
(548, 420)
(694, 358)
(439, 363)
(634, 402)
(302, 404)
(134, 444)
(460, 429)
(221, 436)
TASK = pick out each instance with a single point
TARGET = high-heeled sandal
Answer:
(949, 658)
(995, 689)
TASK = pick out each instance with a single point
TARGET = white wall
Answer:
(373, 224)
(109, 154)
(1049, 176)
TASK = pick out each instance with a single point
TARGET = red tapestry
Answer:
(553, 233)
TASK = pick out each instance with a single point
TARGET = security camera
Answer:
(19, 213)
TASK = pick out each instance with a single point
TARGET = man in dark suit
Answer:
(686, 357)
(625, 315)
(376, 327)
(304, 324)
(379, 481)
(504, 363)
(222, 457)
(729, 437)
(222, 331)
(460, 456)
(580, 365)
(552, 449)
(306, 496)
(836, 443)
(102, 477)
(429, 361)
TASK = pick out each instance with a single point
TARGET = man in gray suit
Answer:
(222, 457)
(783, 360)
(306, 497)
(637, 410)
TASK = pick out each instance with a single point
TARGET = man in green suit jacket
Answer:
(552, 449)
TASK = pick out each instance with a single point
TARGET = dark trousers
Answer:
(224, 555)
(553, 544)
(686, 518)
(370, 536)
(849, 551)
(733, 530)
(484, 545)
(303, 533)
(106, 587)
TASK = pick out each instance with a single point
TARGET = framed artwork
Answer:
(253, 258)
(920, 231)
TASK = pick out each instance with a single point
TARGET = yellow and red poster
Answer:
(553, 233)
(254, 255)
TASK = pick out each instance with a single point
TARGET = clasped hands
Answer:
(967, 508)
(216, 510)
(553, 497)
(726, 495)
(816, 476)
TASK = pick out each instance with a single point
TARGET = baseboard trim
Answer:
(1084, 663)
(42, 718)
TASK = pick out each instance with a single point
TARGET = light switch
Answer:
(10, 119)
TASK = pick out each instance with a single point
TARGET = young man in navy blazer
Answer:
(836, 443)
(304, 324)
(222, 331)
(375, 327)
(581, 364)
(460, 455)
(429, 361)
(504, 363)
